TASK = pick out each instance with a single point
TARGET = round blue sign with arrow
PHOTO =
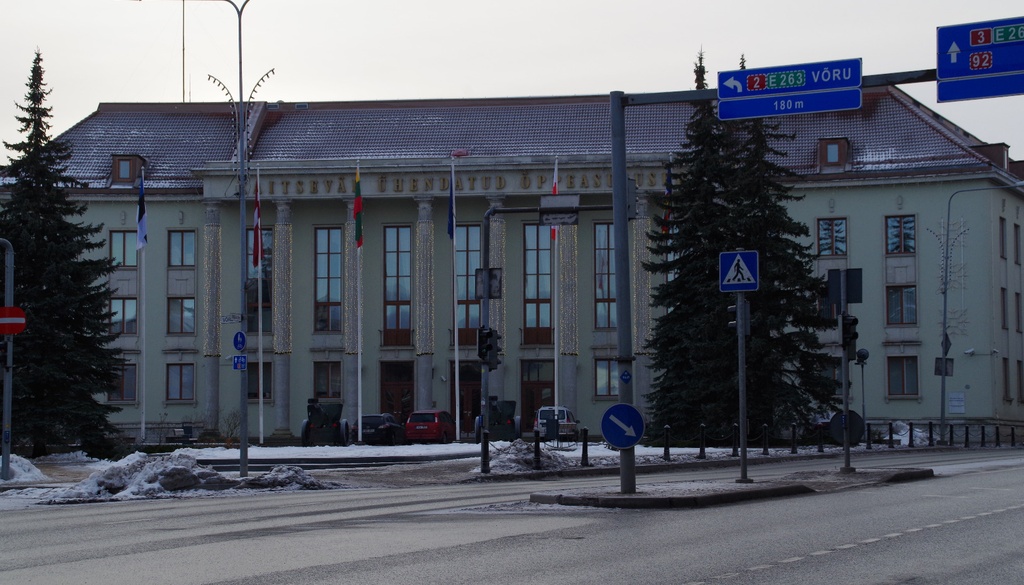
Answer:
(622, 425)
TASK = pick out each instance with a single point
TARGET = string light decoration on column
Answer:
(424, 278)
(641, 278)
(282, 305)
(568, 298)
(211, 281)
(498, 253)
(350, 308)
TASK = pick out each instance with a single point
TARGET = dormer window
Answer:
(833, 155)
(126, 169)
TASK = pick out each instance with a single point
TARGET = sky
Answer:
(109, 51)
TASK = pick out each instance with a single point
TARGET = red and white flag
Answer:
(257, 228)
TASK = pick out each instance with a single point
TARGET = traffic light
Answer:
(483, 342)
(492, 351)
(733, 324)
(850, 335)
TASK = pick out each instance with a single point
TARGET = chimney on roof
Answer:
(998, 153)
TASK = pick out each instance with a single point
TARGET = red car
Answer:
(430, 425)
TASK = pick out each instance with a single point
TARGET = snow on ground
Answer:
(22, 470)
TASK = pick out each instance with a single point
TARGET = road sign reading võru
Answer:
(980, 60)
(790, 89)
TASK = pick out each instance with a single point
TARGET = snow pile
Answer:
(517, 457)
(22, 470)
(140, 476)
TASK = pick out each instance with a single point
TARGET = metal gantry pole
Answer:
(5, 466)
(623, 308)
(741, 347)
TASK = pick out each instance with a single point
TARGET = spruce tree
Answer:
(727, 194)
(63, 358)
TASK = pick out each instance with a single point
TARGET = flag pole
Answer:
(257, 240)
(554, 289)
(358, 212)
(452, 232)
(141, 239)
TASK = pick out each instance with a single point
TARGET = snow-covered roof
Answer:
(890, 133)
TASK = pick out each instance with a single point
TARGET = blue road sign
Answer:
(788, 79)
(737, 271)
(239, 341)
(622, 425)
(980, 60)
(782, 105)
(626, 376)
(239, 362)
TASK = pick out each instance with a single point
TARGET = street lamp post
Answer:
(240, 104)
(945, 299)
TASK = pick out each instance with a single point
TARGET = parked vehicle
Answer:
(567, 423)
(430, 425)
(502, 422)
(323, 425)
(382, 429)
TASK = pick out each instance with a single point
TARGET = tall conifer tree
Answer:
(726, 195)
(63, 359)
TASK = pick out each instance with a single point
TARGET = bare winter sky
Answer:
(337, 50)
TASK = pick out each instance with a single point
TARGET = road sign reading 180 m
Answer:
(789, 89)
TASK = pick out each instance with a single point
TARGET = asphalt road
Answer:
(960, 527)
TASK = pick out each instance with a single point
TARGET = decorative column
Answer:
(282, 319)
(423, 302)
(641, 297)
(210, 317)
(496, 379)
(350, 316)
(567, 319)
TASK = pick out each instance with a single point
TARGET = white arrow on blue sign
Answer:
(239, 341)
(827, 86)
(622, 425)
(737, 271)
(980, 60)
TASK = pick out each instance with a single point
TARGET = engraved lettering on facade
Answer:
(285, 185)
(314, 187)
(486, 183)
(272, 187)
(414, 184)
(382, 184)
(327, 185)
(300, 187)
(472, 183)
(428, 184)
(341, 185)
(524, 182)
(499, 183)
(571, 182)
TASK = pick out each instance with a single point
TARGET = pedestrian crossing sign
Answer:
(737, 271)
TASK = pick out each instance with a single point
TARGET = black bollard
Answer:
(967, 436)
(910, 442)
(792, 435)
(485, 451)
(536, 450)
(998, 440)
(821, 440)
(735, 440)
(668, 431)
(764, 436)
(1013, 436)
(982, 436)
(867, 432)
(931, 436)
(892, 445)
(585, 462)
(702, 454)
(950, 435)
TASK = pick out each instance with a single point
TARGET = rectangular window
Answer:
(1016, 244)
(124, 319)
(1003, 313)
(122, 248)
(255, 300)
(181, 315)
(1017, 310)
(902, 375)
(181, 248)
(901, 305)
(468, 255)
(537, 282)
(606, 378)
(1002, 237)
(328, 285)
(181, 382)
(124, 388)
(253, 380)
(604, 276)
(327, 379)
(900, 234)
(398, 285)
(832, 237)
(1020, 381)
(1007, 396)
